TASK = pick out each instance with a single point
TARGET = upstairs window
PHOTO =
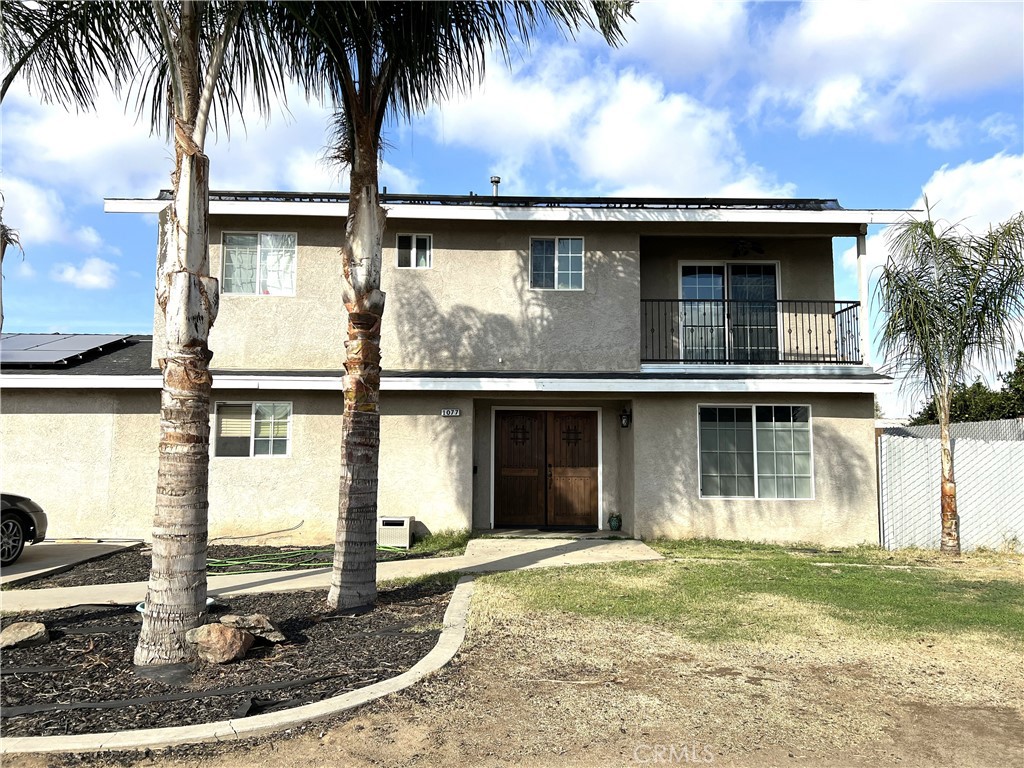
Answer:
(252, 429)
(259, 263)
(414, 251)
(556, 263)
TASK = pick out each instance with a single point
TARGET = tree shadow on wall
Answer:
(528, 330)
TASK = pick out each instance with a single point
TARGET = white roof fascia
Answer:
(476, 384)
(503, 213)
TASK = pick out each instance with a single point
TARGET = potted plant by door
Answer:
(615, 521)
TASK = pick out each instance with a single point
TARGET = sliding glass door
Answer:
(728, 314)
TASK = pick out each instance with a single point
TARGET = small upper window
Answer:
(556, 263)
(252, 429)
(259, 263)
(414, 251)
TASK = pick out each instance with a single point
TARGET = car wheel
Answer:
(12, 538)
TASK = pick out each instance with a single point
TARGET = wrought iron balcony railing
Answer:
(750, 332)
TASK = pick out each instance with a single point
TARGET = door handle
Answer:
(550, 476)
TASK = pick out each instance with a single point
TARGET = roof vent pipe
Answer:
(495, 181)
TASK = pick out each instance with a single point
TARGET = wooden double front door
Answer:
(545, 468)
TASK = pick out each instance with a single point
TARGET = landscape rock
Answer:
(259, 624)
(24, 634)
(219, 644)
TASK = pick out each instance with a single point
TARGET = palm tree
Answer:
(950, 300)
(381, 60)
(184, 60)
(8, 236)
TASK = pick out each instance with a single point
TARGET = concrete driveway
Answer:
(48, 557)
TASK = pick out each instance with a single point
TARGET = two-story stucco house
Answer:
(547, 362)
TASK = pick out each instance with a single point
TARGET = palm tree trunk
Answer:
(3, 252)
(354, 578)
(950, 541)
(176, 597)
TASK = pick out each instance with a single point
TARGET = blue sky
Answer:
(868, 102)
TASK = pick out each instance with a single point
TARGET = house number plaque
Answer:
(451, 411)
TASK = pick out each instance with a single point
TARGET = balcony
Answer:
(726, 332)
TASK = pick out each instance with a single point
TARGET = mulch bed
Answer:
(133, 564)
(89, 660)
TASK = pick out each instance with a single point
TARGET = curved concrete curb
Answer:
(453, 633)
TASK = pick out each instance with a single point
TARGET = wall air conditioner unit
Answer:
(395, 532)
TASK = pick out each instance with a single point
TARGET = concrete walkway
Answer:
(482, 556)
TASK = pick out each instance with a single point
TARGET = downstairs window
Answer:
(761, 451)
(252, 429)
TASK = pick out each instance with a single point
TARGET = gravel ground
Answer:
(55, 688)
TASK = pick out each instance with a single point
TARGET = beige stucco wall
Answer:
(667, 495)
(90, 459)
(474, 308)
(805, 263)
(250, 495)
(87, 457)
(301, 332)
(426, 462)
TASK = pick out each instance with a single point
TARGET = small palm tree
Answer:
(381, 60)
(951, 300)
(185, 61)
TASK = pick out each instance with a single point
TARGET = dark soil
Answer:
(133, 564)
(89, 660)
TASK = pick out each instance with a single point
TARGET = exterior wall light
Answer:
(625, 418)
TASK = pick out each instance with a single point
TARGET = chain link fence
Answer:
(989, 468)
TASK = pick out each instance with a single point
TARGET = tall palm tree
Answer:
(950, 301)
(185, 61)
(381, 60)
(8, 236)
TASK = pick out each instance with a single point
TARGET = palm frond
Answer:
(950, 300)
(63, 49)
(381, 59)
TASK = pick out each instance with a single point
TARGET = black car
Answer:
(21, 521)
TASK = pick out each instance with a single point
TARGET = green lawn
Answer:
(721, 591)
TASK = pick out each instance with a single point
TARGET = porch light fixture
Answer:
(625, 418)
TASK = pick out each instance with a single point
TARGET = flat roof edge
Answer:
(511, 213)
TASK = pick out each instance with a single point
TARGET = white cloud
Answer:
(398, 180)
(25, 270)
(873, 65)
(35, 211)
(94, 274)
(88, 238)
(693, 39)
(611, 133)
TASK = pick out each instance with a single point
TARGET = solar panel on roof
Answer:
(25, 356)
(82, 342)
(51, 348)
(16, 341)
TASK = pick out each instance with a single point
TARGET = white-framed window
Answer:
(252, 429)
(556, 263)
(415, 251)
(756, 451)
(259, 263)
